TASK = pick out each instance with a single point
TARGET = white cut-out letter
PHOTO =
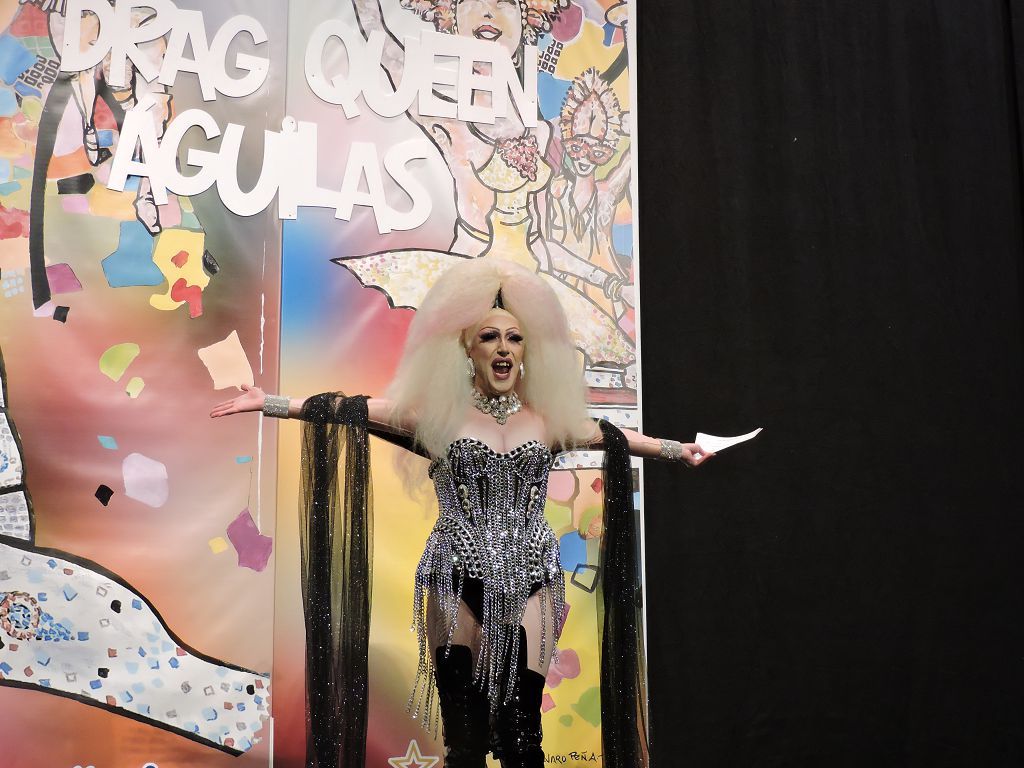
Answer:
(74, 56)
(138, 131)
(524, 94)
(396, 163)
(256, 67)
(207, 162)
(435, 44)
(189, 28)
(363, 162)
(260, 196)
(127, 37)
(380, 97)
(338, 89)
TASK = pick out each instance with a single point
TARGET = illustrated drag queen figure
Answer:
(581, 208)
(499, 172)
(489, 390)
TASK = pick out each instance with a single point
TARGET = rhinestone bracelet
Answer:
(671, 450)
(276, 406)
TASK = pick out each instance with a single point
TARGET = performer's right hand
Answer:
(251, 399)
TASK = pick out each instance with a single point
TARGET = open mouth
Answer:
(502, 369)
(487, 32)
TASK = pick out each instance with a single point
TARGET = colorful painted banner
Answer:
(196, 195)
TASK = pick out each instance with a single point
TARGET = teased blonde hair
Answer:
(431, 386)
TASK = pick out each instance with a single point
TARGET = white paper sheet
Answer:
(713, 443)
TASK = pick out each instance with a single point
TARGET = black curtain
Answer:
(831, 248)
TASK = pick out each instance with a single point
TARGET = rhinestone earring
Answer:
(522, 371)
(470, 368)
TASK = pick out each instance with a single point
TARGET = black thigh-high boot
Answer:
(464, 709)
(518, 721)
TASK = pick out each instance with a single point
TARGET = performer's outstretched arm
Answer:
(255, 399)
(647, 447)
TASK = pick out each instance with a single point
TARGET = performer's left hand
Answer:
(694, 455)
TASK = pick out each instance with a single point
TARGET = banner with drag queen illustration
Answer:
(195, 195)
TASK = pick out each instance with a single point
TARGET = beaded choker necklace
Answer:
(500, 407)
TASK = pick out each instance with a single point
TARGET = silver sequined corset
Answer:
(490, 527)
(491, 515)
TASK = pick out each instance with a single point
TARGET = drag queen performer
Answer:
(489, 389)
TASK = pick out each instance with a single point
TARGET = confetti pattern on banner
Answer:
(69, 629)
(89, 282)
(10, 456)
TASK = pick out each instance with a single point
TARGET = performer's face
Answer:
(495, 20)
(496, 348)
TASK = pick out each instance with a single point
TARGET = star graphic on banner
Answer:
(413, 758)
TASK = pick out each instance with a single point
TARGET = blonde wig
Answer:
(431, 386)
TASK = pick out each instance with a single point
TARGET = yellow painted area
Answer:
(110, 204)
(115, 361)
(169, 244)
(33, 109)
(135, 387)
(559, 516)
(217, 545)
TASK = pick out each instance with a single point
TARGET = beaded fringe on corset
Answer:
(490, 527)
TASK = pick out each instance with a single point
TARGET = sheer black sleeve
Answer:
(336, 533)
(623, 669)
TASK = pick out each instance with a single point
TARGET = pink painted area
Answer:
(253, 548)
(561, 486)
(102, 173)
(547, 703)
(13, 223)
(103, 118)
(70, 132)
(565, 615)
(75, 204)
(568, 23)
(170, 214)
(627, 323)
(31, 22)
(565, 666)
(62, 279)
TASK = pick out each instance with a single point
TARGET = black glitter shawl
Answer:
(623, 671)
(336, 539)
(336, 532)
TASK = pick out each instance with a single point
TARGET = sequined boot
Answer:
(518, 721)
(464, 709)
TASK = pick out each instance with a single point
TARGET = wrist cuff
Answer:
(276, 406)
